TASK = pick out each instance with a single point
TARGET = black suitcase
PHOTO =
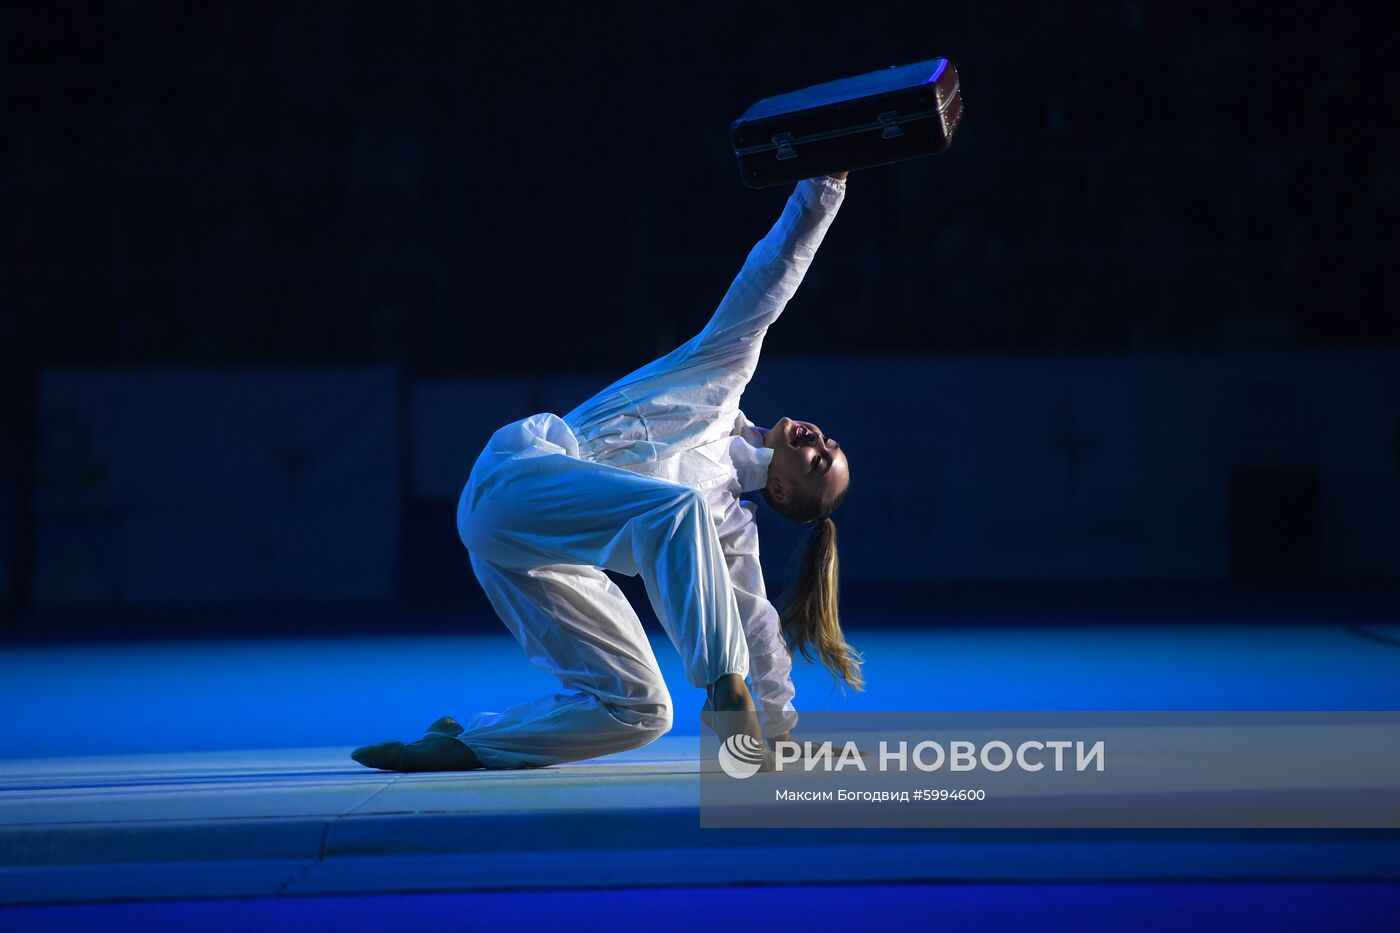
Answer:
(900, 112)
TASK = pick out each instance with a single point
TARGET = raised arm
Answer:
(769, 278)
(711, 370)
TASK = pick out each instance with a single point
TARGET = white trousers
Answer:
(540, 525)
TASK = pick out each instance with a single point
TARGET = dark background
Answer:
(494, 189)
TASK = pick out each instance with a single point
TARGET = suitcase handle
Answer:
(890, 119)
(887, 122)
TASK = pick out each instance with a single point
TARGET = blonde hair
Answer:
(810, 622)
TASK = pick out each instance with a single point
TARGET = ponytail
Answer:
(809, 617)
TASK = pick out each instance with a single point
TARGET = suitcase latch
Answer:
(784, 144)
(890, 120)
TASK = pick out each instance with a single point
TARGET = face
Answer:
(804, 458)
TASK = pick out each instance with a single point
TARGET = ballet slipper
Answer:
(386, 756)
(438, 752)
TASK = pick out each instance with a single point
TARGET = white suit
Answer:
(644, 477)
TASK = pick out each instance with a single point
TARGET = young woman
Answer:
(645, 478)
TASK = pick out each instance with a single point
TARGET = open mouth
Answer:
(798, 434)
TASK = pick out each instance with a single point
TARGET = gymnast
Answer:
(645, 478)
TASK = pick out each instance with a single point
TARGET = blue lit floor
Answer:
(947, 907)
(293, 693)
(207, 770)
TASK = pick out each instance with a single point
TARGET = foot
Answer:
(382, 755)
(438, 752)
(433, 752)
